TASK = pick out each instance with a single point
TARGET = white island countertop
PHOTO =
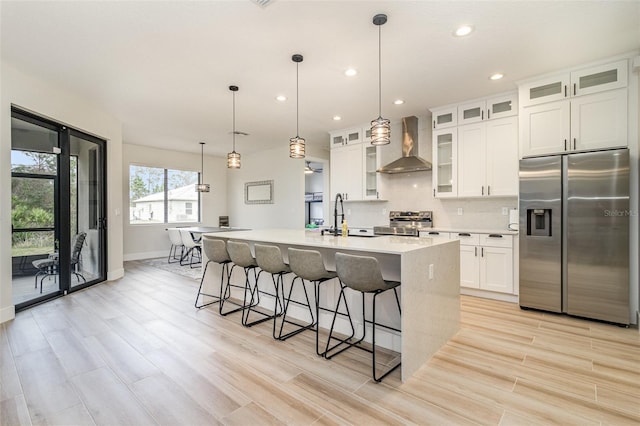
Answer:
(427, 268)
(388, 244)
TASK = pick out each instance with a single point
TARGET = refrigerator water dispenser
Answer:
(539, 222)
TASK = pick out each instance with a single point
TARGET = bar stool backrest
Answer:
(307, 264)
(215, 250)
(240, 254)
(269, 259)
(361, 273)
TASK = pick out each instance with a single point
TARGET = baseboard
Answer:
(115, 275)
(513, 298)
(144, 255)
(7, 314)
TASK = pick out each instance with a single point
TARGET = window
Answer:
(159, 195)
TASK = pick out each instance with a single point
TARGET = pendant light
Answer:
(380, 127)
(202, 187)
(296, 144)
(233, 158)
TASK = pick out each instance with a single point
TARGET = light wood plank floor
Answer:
(135, 351)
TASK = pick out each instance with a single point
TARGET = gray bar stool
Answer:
(362, 273)
(269, 259)
(308, 265)
(216, 251)
(240, 254)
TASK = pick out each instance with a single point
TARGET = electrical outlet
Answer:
(431, 271)
(505, 211)
(459, 211)
(384, 212)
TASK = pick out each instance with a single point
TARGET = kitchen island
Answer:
(428, 269)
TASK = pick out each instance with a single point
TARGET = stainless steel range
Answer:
(406, 223)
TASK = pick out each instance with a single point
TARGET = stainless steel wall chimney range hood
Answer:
(409, 162)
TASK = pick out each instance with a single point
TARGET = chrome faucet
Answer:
(335, 213)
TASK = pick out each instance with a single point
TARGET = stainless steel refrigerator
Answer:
(574, 234)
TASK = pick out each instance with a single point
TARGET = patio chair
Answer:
(49, 266)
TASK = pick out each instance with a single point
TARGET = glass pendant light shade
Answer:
(380, 131)
(200, 186)
(380, 127)
(233, 158)
(297, 147)
(297, 144)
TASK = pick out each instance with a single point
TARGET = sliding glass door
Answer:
(57, 209)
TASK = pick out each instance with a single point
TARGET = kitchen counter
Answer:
(430, 306)
(473, 230)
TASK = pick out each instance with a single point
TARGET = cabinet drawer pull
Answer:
(565, 144)
(565, 90)
(482, 189)
(488, 189)
(434, 233)
(475, 249)
(488, 114)
(482, 252)
(482, 115)
(434, 193)
(574, 89)
(495, 236)
(574, 143)
(434, 124)
(464, 234)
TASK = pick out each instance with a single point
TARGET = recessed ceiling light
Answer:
(350, 72)
(281, 98)
(463, 31)
(496, 76)
(398, 102)
(337, 118)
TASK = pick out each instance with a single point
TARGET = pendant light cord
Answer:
(379, 71)
(297, 101)
(234, 121)
(202, 162)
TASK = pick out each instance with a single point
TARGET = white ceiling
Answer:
(163, 68)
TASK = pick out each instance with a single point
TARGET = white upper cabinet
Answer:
(501, 150)
(371, 178)
(345, 137)
(487, 158)
(545, 128)
(471, 112)
(479, 156)
(472, 142)
(573, 84)
(502, 106)
(600, 78)
(445, 117)
(346, 172)
(599, 120)
(445, 163)
(488, 109)
(574, 111)
(548, 89)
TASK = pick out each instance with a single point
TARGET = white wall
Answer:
(287, 210)
(49, 100)
(151, 240)
(413, 191)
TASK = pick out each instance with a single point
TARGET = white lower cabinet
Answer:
(486, 261)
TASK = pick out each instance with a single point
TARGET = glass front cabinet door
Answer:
(445, 163)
